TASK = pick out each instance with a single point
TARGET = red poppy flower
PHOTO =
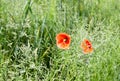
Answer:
(86, 46)
(63, 40)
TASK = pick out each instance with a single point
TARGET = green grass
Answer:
(28, 50)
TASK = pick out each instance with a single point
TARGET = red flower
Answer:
(63, 40)
(86, 46)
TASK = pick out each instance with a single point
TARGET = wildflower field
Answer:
(59, 40)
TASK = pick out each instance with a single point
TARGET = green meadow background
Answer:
(28, 50)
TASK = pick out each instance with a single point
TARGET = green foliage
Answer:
(28, 50)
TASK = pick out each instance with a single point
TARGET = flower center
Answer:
(89, 46)
(64, 40)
